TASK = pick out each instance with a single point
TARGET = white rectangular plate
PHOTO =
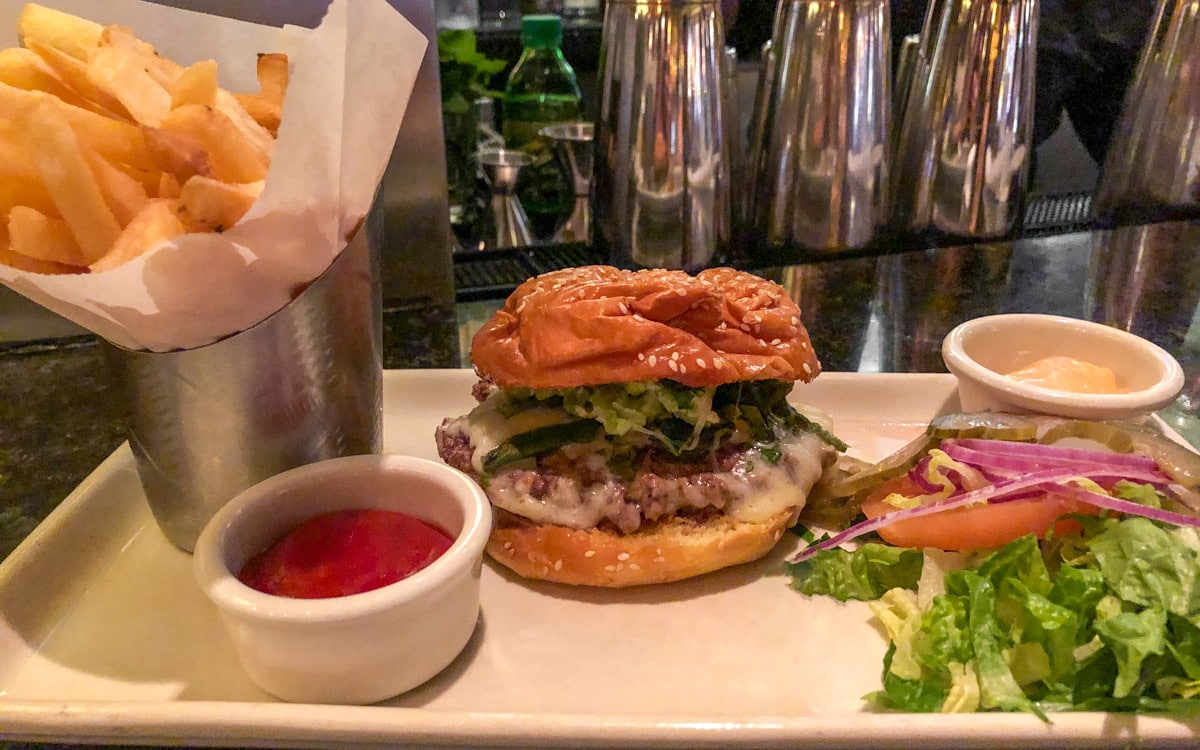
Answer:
(105, 637)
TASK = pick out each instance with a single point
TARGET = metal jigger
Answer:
(501, 167)
(573, 147)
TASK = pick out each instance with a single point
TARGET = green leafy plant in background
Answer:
(466, 75)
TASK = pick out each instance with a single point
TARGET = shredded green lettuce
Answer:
(1107, 619)
(674, 417)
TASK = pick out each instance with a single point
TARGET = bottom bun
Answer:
(668, 551)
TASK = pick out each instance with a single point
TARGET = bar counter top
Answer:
(59, 417)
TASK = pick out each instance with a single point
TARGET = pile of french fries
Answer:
(108, 148)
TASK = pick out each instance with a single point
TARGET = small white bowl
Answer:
(980, 351)
(360, 648)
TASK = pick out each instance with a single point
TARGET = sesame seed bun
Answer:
(598, 324)
(671, 550)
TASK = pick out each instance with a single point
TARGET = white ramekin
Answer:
(981, 350)
(363, 647)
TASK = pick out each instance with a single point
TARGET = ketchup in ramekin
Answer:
(345, 552)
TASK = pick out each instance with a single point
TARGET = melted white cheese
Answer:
(758, 489)
(762, 490)
(487, 428)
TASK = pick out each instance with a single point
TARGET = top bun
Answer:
(598, 324)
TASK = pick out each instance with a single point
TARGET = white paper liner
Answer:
(350, 81)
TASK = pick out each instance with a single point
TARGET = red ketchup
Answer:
(345, 552)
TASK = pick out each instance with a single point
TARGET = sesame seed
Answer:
(660, 559)
(701, 364)
(623, 308)
(610, 568)
(620, 566)
(795, 320)
(774, 342)
(558, 564)
(675, 356)
(807, 369)
(545, 570)
(623, 556)
(803, 344)
(634, 566)
(683, 369)
(590, 553)
(641, 357)
(681, 292)
(673, 365)
(718, 362)
(653, 360)
(638, 317)
(744, 327)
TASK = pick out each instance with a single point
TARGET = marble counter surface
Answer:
(59, 419)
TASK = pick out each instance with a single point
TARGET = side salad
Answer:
(1022, 564)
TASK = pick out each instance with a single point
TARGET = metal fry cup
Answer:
(303, 385)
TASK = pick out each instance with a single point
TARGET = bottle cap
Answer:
(541, 31)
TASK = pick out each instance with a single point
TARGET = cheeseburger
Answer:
(634, 428)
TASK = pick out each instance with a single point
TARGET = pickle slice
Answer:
(1112, 435)
(1179, 462)
(985, 425)
(876, 474)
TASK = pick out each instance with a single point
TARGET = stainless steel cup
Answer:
(1152, 168)
(756, 132)
(662, 189)
(820, 173)
(303, 385)
(962, 159)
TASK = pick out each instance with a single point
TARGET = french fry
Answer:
(74, 74)
(123, 75)
(22, 191)
(35, 235)
(178, 154)
(33, 265)
(229, 157)
(255, 135)
(23, 69)
(117, 140)
(156, 222)
(162, 69)
(124, 195)
(168, 186)
(70, 34)
(69, 180)
(208, 205)
(197, 84)
(266, 107)
(14, 161)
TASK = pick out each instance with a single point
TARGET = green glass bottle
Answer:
(541, 91)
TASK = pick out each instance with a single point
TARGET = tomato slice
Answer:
(972, 527)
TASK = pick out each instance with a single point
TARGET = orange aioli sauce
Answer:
(1068, 374)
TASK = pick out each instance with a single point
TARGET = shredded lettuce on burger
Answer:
(631, 417)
